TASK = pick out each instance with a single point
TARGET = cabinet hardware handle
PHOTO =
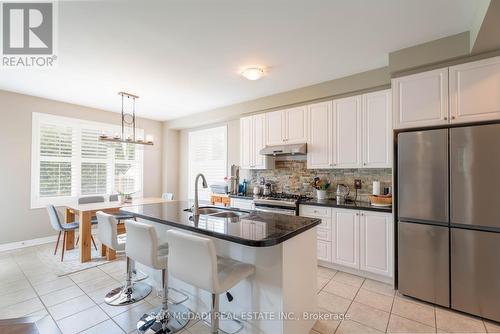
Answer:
(452, 117)
(357, 214)
(364, 163)
(445, 118)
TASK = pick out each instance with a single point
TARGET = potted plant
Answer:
(125, 197)
(321, 186)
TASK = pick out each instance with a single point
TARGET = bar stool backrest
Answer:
(142, 244)
(107, 231)
(193, 259)
(54, 218)
(90, 199)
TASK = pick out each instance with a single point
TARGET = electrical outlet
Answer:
(357, 184)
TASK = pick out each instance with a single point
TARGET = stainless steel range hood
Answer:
(284, 150)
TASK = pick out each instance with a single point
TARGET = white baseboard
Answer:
(27, 243)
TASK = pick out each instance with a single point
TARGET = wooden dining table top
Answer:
(114, 204)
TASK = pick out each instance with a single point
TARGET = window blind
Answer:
(69, 161)
(207, 155)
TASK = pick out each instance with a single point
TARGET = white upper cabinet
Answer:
(421, 99)
(345, 237)
(377, 129)
(275, 127)
(319, 142)
(347, 132)
(287, 126)
(475, 91)
(376, 242)
(252, 140)
(296, 125)
(246, 142)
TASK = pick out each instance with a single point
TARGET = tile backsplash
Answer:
(292, 176)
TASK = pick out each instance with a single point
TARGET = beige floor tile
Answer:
(87, 275)
(98, 295)
(321, 282)
(326, 272)
(348, 279)
(398, 324)
(113, 311)
(41, 277)
(378, 287)
(326, 326)
(128, 319)
(98, 283)
(48, 287)
(47, 325)
(312, 331)
(341, 289)
(414, 310)
(83, 320)
(21, 309)
(373, 299)
(71, 307)
(106, 327)
(368, 316)
(17, 297)
(454, 322)
(61, 296)
(11, 287)
(492, 327)
(333, 303)
(353, 327)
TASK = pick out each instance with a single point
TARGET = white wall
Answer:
(18, 221)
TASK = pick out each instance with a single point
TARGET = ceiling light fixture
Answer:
(253, 73)
(128, 121)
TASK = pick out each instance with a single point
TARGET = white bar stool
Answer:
(193, 259)
(142, 246)
(132, 291)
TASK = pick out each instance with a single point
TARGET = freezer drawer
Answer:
(475, 272)
(423, 262)
(423, 176)
(474, 166)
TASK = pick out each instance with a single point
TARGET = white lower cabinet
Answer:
(362, 241)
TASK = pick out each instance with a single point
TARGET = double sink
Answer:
(219, 212)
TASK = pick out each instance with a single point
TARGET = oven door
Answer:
(274, 209)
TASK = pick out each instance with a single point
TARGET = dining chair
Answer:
(62, 228)
(167, 196)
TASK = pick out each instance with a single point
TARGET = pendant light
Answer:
(128, 120)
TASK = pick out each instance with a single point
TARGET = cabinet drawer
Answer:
(324, 234)
(315, 211)
(324, 250)
(244, 204)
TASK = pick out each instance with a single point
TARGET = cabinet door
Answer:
(324, 250)
(245, 204)
(376, 243)
(319, 142)
(259, 141)
(296, 125)
(347, 132)
(274, 128)
(421, 99)
(377, 130)
(345, 236)
(475, 91)
(246, 143)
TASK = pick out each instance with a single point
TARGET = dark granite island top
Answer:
(268, 229)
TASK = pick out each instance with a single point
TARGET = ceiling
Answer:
(183, 57)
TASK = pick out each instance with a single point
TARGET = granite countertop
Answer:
(358, 205)
(272, 228)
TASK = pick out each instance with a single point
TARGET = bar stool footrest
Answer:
(177, 317)
(127, 295)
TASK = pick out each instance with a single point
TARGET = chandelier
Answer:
(128, 121)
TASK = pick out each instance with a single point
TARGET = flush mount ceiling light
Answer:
(253, 73)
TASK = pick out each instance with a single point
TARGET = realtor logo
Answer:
(28, 34)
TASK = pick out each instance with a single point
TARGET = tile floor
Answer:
(75, 302)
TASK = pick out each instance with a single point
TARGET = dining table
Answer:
(85, 212)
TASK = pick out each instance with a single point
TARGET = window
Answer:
(207, 155)
(69, 161)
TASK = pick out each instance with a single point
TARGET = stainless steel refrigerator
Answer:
(449, 217)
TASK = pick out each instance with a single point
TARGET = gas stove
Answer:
(279, 203)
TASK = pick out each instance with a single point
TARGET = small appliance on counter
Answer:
(267, 189)
(341, 193)
(234, 180)
(256, 191)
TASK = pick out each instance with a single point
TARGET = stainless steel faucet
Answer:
(196, 209)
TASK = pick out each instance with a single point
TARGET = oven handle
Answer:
(275, 210)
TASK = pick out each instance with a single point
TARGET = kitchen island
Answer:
(281, 296)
